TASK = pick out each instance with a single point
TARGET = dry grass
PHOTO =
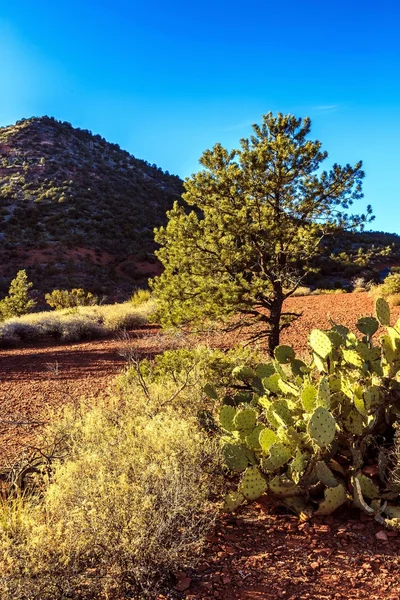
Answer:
(130, 505)
(82, 322)
(394, 299)
(302, 291)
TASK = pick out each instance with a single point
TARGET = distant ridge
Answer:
(76, 210)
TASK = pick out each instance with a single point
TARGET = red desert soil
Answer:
(259, 554)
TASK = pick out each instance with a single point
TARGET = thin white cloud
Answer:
(326, 107)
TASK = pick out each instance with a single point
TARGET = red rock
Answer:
(381, 536)
(183, 584)
(392, 534)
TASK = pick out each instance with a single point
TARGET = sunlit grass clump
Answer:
(74, 324)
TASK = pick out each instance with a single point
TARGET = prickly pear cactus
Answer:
(253, 484)
(245, 419)
(367, 325)
(382, 310)
(322, 427)
(243, 373)
(226, 415)
(320, 343)
(284, 354)
(303, 432)
(334, 498)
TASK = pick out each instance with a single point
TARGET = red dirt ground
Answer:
(259, 554)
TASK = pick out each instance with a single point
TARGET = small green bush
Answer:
(391, 285)
(59, 299)
(17, 302)
(139, 297)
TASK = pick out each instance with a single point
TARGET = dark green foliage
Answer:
(17, 302)
(65, 188)
(258, 214)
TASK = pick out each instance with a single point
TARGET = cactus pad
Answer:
(324, 393)
(309, 398)
(279, 455)
(232, 501)
(284, 354)
(265, 370)
(353, 358)
(271, 383)
(382, 311)
(243, 373)
(266, 438)
(226, 415)
(288, 388)
(360, 405)
(392, 511)
(334, 497)
(371, 398)
(368, 487)
(354, 423)
(322, 427)
(319, 363)
(367, 325)
(298, 465)
(299, 367)
(279, 414)
(252, 440)
(245, 419)
(253, 484)
(282, 486)
(320, 343)
(325, 475)
(235, 457)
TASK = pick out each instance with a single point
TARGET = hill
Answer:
(76, 210)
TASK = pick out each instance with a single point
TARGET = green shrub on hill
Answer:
(59, 299)
(17, 302)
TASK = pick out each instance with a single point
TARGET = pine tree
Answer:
(258, 216)
(17, 302)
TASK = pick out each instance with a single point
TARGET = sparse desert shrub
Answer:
(360, 284)
(390, 286)
(139, 297)
(130, 505)
(59, 299)
(76, 327)
(394, 299)
(23, 331)
(78, 323)
(302, 291)
(320, 291)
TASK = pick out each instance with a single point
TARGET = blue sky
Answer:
(166, 80)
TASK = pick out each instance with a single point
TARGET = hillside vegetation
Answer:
(76, 209)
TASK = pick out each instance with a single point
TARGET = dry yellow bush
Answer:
(129, 505)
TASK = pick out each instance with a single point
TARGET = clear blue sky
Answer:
(166, 80)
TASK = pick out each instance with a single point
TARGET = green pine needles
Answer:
(258, 214)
